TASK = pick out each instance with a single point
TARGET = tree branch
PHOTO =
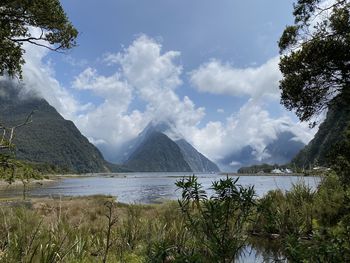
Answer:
(7, 143)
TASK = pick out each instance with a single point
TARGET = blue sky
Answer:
(243, 33)
(209, 67)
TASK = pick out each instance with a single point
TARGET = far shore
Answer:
(262, 174)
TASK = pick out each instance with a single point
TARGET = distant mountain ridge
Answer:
(280, 151)
(49, 138)
(154, 151)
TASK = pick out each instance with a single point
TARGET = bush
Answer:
(219, 221)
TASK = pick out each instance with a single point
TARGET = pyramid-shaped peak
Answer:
(160, 126)
(166, 127)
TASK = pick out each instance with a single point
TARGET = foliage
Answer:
(306, 225)
(19, 20)
(220, 219)
(329, 142)
(340, 157)
(286, 213)
(77, 230)
(312, 226)
(315, 65)
(10, 168)
(112, 220)
(95, 229)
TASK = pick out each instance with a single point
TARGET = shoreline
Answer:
(263, 174)
(18, 183)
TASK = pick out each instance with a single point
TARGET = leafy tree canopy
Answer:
(16, 19)
(316, 57)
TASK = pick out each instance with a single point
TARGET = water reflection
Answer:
(253, 254)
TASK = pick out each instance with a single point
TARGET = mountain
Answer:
(154, 151)
(280, 151)
(237, 159)
(330, 133)
(49, 138)
(197, 161)
(157, 153)
(283, 149)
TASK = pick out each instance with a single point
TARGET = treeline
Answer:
(261, 168)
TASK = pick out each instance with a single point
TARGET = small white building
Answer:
(276, 171)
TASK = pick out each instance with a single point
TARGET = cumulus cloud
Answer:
(111, 88)
(219, 78)
(108, 124)
(252, 125)
(144, 66)
(39, 76)
(143, 71)
(154, 77)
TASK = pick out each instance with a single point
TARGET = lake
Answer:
(146, 188)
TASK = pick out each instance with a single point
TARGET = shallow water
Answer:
(148, 188)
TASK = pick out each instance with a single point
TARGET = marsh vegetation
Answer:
(305, 225)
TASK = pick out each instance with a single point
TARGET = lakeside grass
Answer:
(305, 225)
(96, 228)
(74, 229)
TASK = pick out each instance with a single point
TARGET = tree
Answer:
(18, 17)
(10, 168)
(316, 57)
(7, 161)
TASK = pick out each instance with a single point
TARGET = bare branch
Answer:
(45, 46)
(7, 143)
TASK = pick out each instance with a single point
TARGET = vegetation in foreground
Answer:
(96, 229)
(307, 226)
(311, 226)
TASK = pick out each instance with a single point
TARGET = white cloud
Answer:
(109, 124)
(147, 69)
(111, 88)
(143, 71)
(39, 76)
(219, 78)
(154, 76)
(252, 125)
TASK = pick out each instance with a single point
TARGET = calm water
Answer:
(151, 187)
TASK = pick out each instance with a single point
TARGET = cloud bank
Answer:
(143, 72)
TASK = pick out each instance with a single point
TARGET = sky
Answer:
(208, 67)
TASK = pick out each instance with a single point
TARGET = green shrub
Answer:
(218, 221)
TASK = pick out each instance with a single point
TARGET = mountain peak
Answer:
(160, 148)
(166, 127)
